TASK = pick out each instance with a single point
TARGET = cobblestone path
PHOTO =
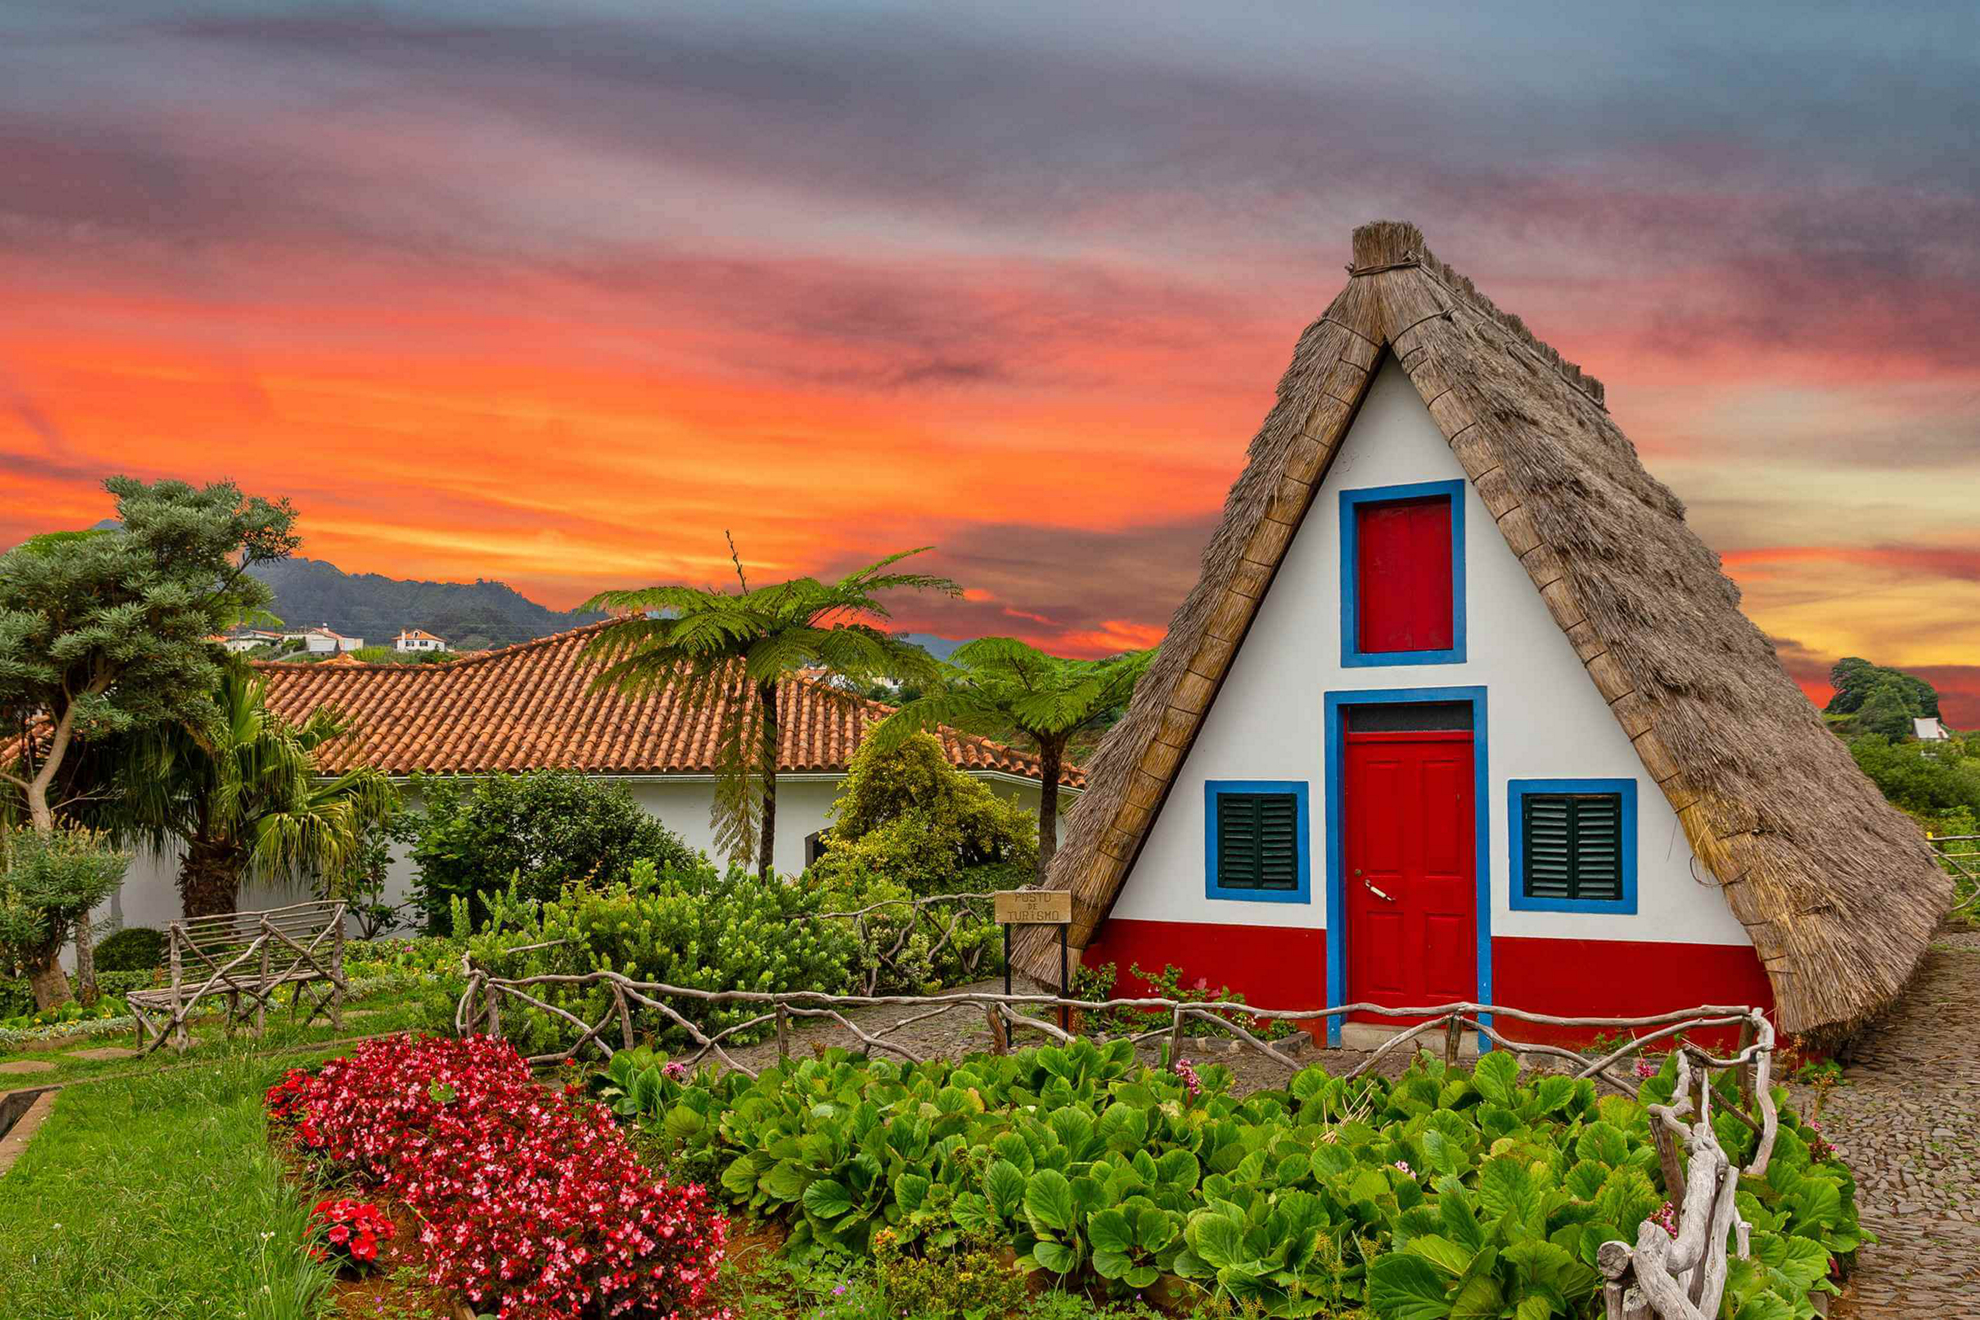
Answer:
(1908, 1119)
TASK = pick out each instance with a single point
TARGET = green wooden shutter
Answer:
(1257, 841)
(1573, 845)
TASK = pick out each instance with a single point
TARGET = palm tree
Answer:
(726, 652)
(997, 684)
(242, 793)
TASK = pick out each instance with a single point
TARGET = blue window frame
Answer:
(1336, 704)
(1589, 843)
(1249, 792)
(1351, 503)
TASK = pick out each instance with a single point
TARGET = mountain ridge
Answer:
(471, 616)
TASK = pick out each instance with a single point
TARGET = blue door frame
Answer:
(1336, 712)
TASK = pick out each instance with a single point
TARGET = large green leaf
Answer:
(1601, 1142)
(1544, 1265)
(1049, 1203)
(1802, 1261)
(1817, 1203)
(1217, 1239)
(910, 1190)
(1055, 1256)
(1506, 1188)
(1004, 1185)
(1110, 1230)
(1448, 1256)
(827, 1198)
(1497, 1076)
(1406, 1287)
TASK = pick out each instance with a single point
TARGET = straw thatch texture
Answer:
(1836, 889)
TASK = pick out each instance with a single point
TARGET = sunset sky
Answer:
(556, 294)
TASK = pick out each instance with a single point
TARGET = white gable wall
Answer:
(1545, 719)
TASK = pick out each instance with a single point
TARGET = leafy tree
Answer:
(996, 684)
(1856, 681)
(104, 632)
(242, 793)
(716, 651)
(49, 881)
(543, 830)
(1888, 708)
(361, 881)
(906, 816)
(1926, 779)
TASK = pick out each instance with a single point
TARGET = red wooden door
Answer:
(1412, 900)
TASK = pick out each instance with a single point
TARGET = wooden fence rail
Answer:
(1681, 1278)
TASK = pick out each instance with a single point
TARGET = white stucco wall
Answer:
(150, 894)
(1545, 718)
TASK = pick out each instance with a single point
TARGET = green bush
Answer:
(693, 928)
(972, 1279)
(132, 949)
(1444, 1192)
(908, 817)
(544, 830)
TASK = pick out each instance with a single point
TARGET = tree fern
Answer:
(726, 652)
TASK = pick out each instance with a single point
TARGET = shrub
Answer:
(47, 884)
(530, 1201)
(1443, 1192)
(972, 1279)
(908, 817)
(132, 949)
(693, 928)
(543, 830)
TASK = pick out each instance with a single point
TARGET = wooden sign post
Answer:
(1038, 907)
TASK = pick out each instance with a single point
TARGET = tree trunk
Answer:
(1051, 753)
(45, 978)
(766, 844)
(85, 961)
(210, 878)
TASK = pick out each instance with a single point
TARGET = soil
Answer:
(952, 1033)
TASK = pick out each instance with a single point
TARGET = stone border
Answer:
(23, 1128)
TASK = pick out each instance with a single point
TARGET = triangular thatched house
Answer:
(1462, 709)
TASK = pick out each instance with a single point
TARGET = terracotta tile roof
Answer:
(532, 707)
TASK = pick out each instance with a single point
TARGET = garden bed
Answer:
(1440, 1187)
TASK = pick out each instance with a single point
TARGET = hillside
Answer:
(472, 616)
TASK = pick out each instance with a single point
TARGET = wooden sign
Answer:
(1034, 907)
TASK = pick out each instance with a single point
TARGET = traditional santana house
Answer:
(532, 706)
(1461, 709)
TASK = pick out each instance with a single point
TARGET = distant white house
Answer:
(418, 639)
(247, 639)
(1928, 729)
(323, 640)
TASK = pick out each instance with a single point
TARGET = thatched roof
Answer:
(1837, 889)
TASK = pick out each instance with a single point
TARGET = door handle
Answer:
(1365, 884)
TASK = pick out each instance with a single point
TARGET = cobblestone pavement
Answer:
(1908, 1118)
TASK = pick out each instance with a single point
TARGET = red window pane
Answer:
(1403, 575)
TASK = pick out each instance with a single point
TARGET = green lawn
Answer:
(155, 1197)
(377, 1015)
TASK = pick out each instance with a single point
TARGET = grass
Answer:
(156, 1197)
(385, 1012)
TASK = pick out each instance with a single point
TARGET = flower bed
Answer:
(1444, 1192)
(528, 1201)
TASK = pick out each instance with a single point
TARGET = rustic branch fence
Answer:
(1658, 1276)
(1960, 854)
